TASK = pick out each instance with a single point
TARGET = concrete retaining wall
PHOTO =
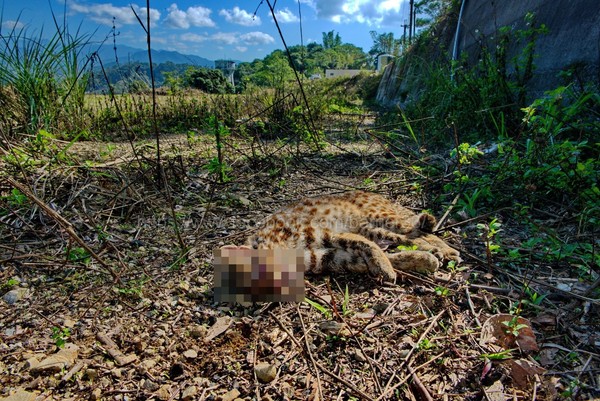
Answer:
(573, 42)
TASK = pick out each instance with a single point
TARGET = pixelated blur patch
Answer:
(258, 275)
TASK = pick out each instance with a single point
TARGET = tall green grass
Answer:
(42, 79)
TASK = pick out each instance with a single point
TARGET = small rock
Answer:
(13, 296)
(333, 328)
(202, 382)
(265, 372)
(230, 395)
(198, 331)
(31, 363)
(360, 356)
(91, 374)
(34, 384)
(149, 385)
(69, 323)
(139, 344)
(403, 353)
(244, 201)
(20, 395)
(96, 394)
(164, 392)
(57, 362)
(189, 393)
(148, 364)
(184, 286)
(190, 354)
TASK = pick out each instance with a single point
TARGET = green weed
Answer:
(325, 311)
(513, 326)
(77, 254)
(60, 336)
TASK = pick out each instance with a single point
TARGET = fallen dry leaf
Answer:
(500, 329)
(523, 372)
(220, 327)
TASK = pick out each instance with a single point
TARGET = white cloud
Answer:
(200, 16)
(370, 12)
(256, 38)
(104, 13)
(177, 18)
(393, 5)
(240, 17)
(225, 38)
(310, 3)
(193, 37)
(193, 16)
(10, 25)
(286, 16)
(242, 41)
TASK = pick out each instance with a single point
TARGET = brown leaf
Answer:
(500, 330)
(220, 327)
(495, 392)
(523, 372)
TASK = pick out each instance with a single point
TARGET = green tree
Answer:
(384, 43)
(331, 40)
(428, 10)
(208, 80)
(273, 71)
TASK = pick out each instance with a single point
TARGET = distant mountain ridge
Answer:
(127, 54)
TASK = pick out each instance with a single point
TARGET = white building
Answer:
(341, 73)
(227, 67)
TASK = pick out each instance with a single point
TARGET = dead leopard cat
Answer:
(351, 232)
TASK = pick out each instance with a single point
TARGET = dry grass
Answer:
(420, 338)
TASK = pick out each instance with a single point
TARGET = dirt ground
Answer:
(136, 320)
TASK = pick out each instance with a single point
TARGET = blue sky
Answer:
(215, 29)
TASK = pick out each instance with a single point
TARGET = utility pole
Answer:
(410, 19)
(404, 26)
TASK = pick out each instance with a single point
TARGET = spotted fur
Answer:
(352, 232)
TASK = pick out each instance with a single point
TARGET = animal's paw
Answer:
(426, 222)
(381, 266)
(451, 254)
(417, 261)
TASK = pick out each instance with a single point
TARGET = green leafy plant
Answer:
(9, 284)
(407, 247)
(60, 336)
(488, 232)
(346, 303)
(513, 326)
(16, 198)
(326, 312)
(217, 165)
(498, 356)
(571, 390)
(77, 254)
(465, 153)
(468, 203)
(133, 287)
(426, 345)
(442, 291)
(533, 297)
